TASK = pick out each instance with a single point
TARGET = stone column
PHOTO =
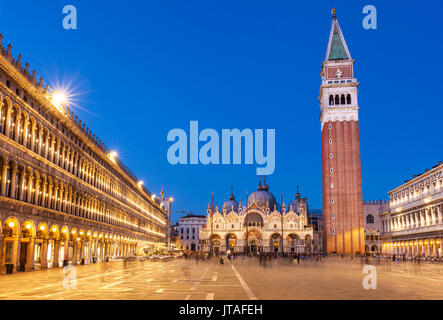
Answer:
(66, 249)
(44, 254)
(30, 263)
(91, 245)
(3, 182)
(63, 157)
(51, 150)
(25, 132)
(59, 199)
(2, 253)
(39, 142)
(75, 250)
(440, 248)
(439, 212)
(16, 127)
(55, 262)
(43, 191)
(15, 251)
(82, 249)
(29, 193)
(8, 120)
(106, 251)
(434, 247)
(37, 191)
(22, 195)
(95, 245)
(46, 147)
(57, 152)
(103, 249)
(49, 197)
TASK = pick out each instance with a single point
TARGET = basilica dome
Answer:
(262, 197)
(231, 204)
(294, 202)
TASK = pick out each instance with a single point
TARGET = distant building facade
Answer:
(315, 220)
(262, 226)
(413, 224)
(175, 235)
(373, 225)
(189, 227)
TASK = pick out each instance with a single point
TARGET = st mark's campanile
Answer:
(342, 189)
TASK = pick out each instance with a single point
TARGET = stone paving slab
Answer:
(245, 279)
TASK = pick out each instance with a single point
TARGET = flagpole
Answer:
(281, 208)
(212, 220)
(246, 222)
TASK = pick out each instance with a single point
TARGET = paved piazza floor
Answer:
(334, 278)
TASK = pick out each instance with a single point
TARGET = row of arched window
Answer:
(339, 99)
(32, 134)
(28, 185)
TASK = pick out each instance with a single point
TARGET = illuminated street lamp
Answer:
(59, 98)
(140, 183)
(113, 155)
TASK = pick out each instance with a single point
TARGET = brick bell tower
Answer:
(342, 190)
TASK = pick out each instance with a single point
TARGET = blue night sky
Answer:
(146, 67)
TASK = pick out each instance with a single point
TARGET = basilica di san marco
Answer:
(262, 226)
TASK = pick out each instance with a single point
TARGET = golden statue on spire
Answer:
(333, 12)
(162, 193)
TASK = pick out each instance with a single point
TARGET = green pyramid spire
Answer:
(337, 50)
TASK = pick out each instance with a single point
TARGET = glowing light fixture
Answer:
(54, 229)
(59, 98)
(42, 228)
(113, 155)
(28, 226)
(11, 224)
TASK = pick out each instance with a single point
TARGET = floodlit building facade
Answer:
(413, 224)
(189, 227)
(373, 225)
(262, 226)
(63, 194)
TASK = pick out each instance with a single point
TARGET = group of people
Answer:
(418, 258)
